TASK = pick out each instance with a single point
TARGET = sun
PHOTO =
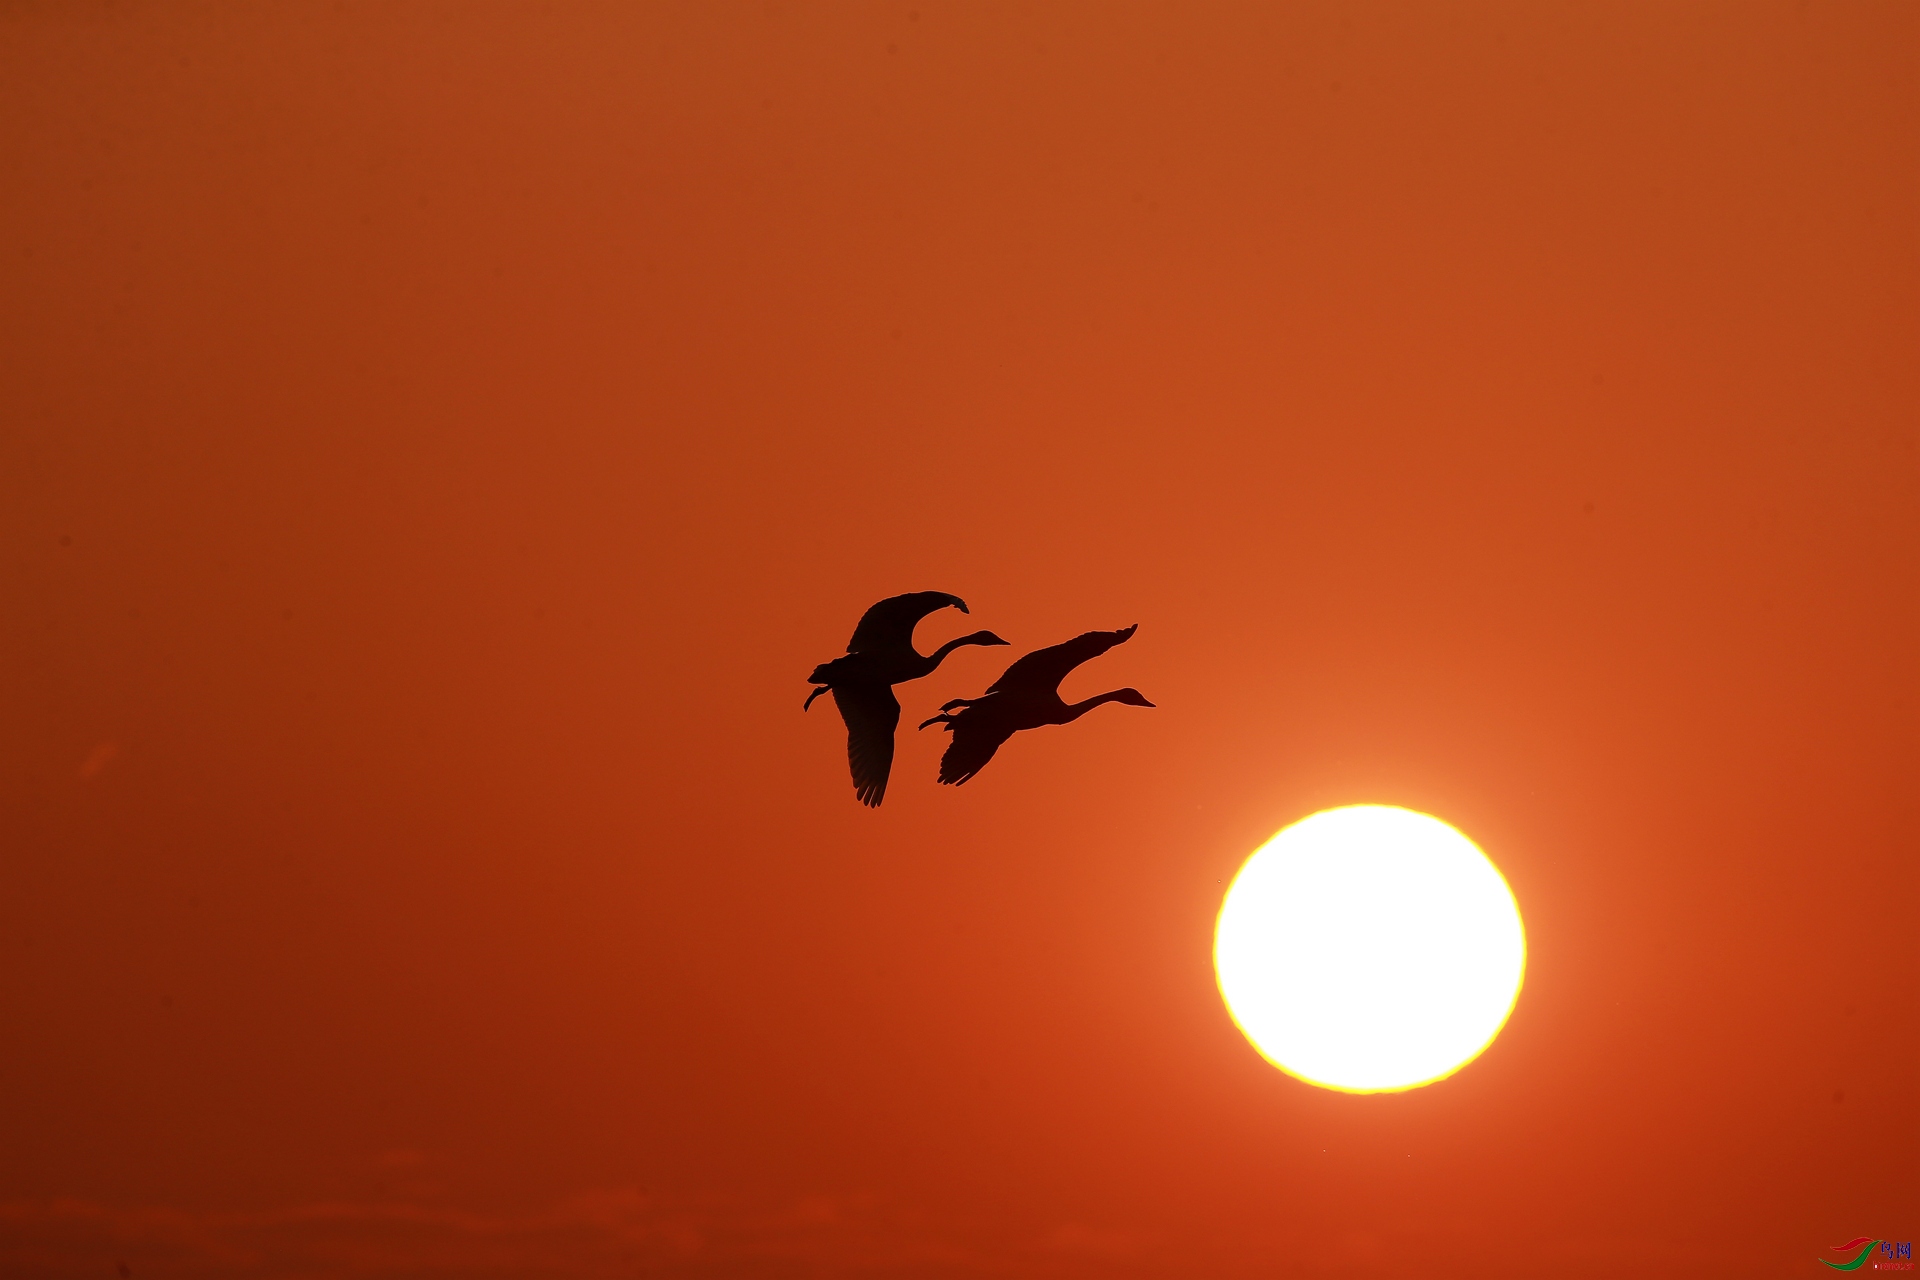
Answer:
(1369, 949)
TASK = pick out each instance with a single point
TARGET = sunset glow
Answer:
(1369, 949)
(660, 640)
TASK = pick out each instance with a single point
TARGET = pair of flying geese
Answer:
(881, 655)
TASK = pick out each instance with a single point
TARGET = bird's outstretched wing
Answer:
(890, 624)
(871, 712)
(1044, 669)
(975, 738)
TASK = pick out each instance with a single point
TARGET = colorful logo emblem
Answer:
(1890, 1256)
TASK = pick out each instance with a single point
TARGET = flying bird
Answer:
(1026, 696)
(881, 655)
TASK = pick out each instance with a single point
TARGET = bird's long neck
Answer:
(939, 655)
(1077, 709)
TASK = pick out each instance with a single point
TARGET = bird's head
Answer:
(987, 637)
(1132, 697)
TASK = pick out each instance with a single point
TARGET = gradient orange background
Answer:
(437, 440)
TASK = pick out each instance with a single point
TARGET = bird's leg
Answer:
(816, 693)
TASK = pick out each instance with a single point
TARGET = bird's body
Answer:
(881, 655)
(1026, 696)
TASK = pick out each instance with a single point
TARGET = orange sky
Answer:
(436, 441)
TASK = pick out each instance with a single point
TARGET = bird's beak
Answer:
(961, 605)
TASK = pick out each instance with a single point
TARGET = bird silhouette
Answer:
(881, 655)
(1026, 696)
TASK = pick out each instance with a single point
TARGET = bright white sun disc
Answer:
(1369, 949)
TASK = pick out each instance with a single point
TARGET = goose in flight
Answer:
(881, 655)
(1026, 696)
